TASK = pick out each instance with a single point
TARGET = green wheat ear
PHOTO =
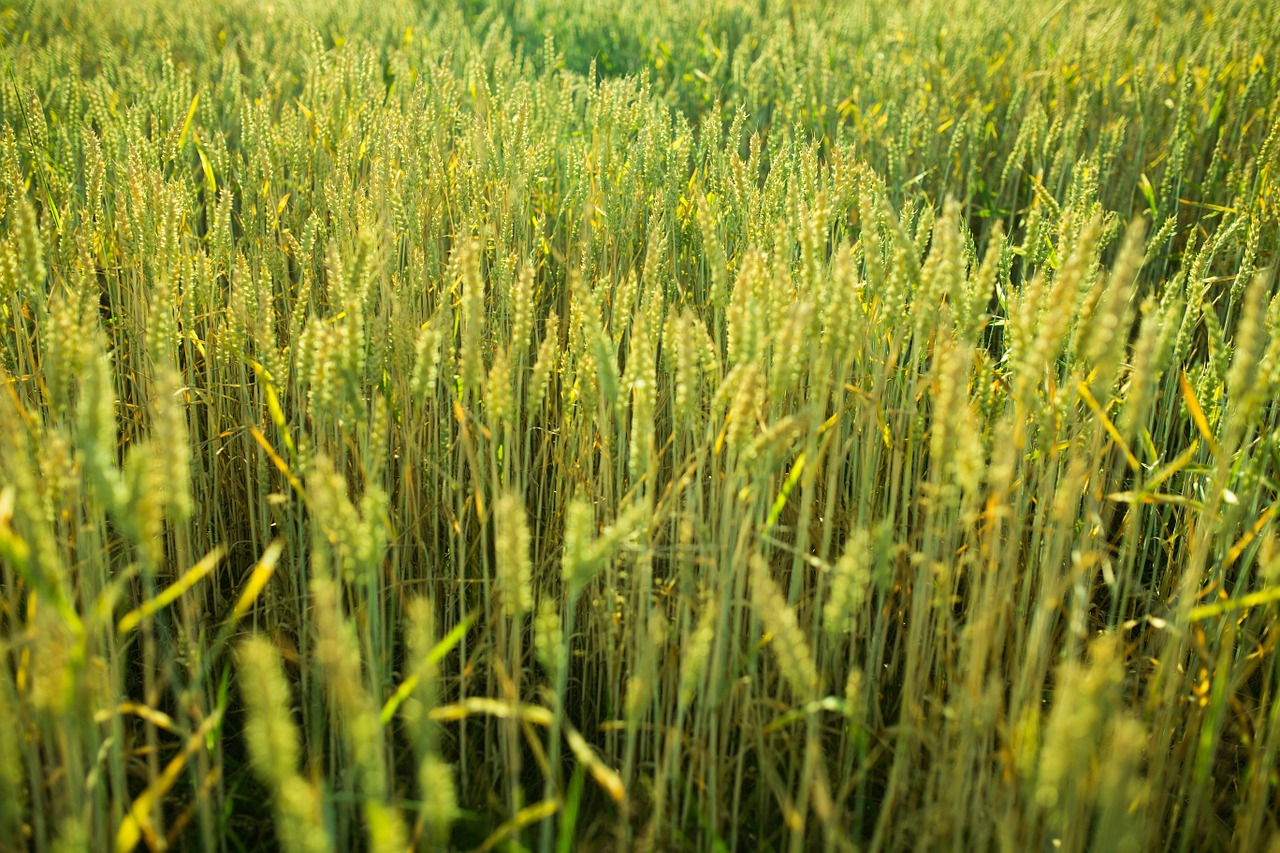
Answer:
(514, 566)
(435, 778)
(273, 739)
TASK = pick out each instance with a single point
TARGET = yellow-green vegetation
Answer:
(689, 425)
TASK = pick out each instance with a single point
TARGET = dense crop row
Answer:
(679, 425)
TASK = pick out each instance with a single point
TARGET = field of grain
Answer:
(696, 425)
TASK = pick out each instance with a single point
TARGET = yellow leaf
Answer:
(258, 579)
(159, 719)
(526, 816)
(210, 180)
(1253, 599)
(280, 464)
(186, 126)
(436, 655)
(1087, 396)
(1250, 534)
(1173, 467)
(477, 705)
(604, 775)
(175, 590)
(137, 822)
(1197, 413)
(1152, 498)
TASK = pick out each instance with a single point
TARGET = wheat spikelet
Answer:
(745, 314)
(576, 565)
(855, 697)
(584, 553)
(747, 399)
(1150, 356)
(643, 381)
(871, 242)
(471, 354)
(1246, 382)
(850, 582)
(66, 330)
(171, 444)
(1085, 695)
(29, 252)
(622, 307)
(713, 251)
(439, 799)
(697, 651)
(544, 366)
(272, 738)
(356, 536)
(352, 707)
(439, 803)
(786, 638)
(944, 270)
(511, 548)
(499, 399)
(426, 360)
(270, 730)
(971, 312)
(522, 310)
(1122, 791)
(842, 309)
(1054, 317)
(548, 638)
(791, 350)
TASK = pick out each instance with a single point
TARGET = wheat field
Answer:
(695, 426)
